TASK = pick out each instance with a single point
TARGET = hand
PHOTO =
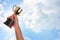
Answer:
(15, 19)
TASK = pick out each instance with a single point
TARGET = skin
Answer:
(17, 27)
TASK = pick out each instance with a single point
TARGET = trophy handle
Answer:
(13, 7)
(20, 11)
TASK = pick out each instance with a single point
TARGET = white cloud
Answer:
(1, 5)
(2, 13)
(30, 14)
(46, 13)
(26, 38)
(34, 2)
(49, 11)
(1, 8)
(12, 38)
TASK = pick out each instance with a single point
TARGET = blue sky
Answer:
(40, 19)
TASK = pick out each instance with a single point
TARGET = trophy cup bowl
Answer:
(17, 10)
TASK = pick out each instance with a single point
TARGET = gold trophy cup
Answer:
(17, 10)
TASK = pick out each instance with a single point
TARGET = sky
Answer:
(39, 20)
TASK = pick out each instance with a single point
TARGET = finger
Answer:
(11, 17)
(15, 16)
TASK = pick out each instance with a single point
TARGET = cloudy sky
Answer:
(39, 20)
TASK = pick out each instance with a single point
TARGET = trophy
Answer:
(17, 10)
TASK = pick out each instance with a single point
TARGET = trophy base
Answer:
(9, 22)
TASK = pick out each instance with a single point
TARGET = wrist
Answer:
(16, 26)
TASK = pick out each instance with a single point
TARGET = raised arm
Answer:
(17, 27)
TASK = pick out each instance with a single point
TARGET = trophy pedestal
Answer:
(9, 22)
